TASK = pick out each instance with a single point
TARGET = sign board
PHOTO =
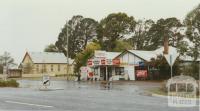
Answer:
(46, 80)
(141, 73)
(84, 72)
(102, 61)
(89, 62)
(170, 58)
(116, 61)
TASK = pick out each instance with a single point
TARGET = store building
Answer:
(127, 65)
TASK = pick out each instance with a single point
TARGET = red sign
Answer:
(89, 62)
(90, 74)
(103, 61)
(116, 61)
(141, 73)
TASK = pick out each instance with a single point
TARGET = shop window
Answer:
(119, 70)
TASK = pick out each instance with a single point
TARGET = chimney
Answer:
(166, 45)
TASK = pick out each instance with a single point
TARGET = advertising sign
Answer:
(116, 61)
(103, 61)
(89, 62)
(141, 73)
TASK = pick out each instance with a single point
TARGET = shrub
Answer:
(9, 83)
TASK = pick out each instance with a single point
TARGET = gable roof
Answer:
(48, 57)
(148, 55)
(112, 55)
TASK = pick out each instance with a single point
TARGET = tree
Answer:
(6, 60)
(69, 30)
(192, 22)
(114, 27)
(138, 40)
(51, 48)
(80, 31)
(86, 31)
(121, 46)
(82, 57)
(164, 29)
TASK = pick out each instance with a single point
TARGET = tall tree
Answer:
(115, 26)
(69, 30)
(79, 31)
(86, 31)
(164, 28)
(6, 60)
(138, 40)
(51, 48)
(192, 22)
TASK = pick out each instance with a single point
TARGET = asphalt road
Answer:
(73, 96)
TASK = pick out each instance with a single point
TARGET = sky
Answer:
(30, 25)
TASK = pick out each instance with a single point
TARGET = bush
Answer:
(9, 83)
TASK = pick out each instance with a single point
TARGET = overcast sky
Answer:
(30, 25)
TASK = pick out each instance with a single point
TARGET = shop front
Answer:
(103, 68)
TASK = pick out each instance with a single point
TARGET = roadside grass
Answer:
(161, 92)
(158, 91)
(9, 83)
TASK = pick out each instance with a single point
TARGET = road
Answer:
(85, 96)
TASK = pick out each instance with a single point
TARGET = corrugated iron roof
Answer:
(148, 55)
(49, 57)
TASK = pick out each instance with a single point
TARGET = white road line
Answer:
(38, 105)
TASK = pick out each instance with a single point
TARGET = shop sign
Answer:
(109, 61)
(116, 61)
(141, 73)
(96, 61)
(103, 62)
(89, 62)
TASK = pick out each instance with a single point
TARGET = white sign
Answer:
(171, 58)
(46, 80)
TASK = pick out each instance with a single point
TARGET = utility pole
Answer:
(67, 53)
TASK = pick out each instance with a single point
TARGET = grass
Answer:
(9, 83)
(159, 91)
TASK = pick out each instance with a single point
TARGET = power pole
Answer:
(67, 53)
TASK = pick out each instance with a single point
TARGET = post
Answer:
(199, 72)
(171, 70)
(171, 65)
(67, 52)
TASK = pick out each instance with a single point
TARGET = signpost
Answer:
(46, 80)
(170, 60)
